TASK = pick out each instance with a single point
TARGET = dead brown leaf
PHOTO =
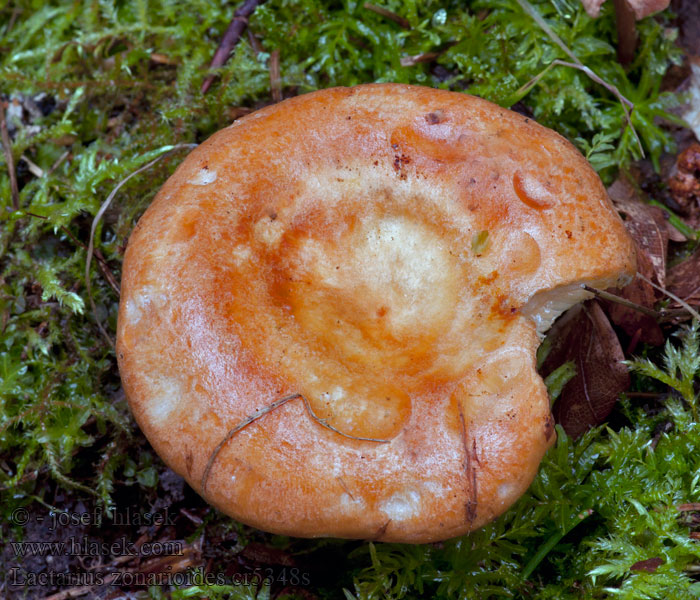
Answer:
(649, 565)
(684, 279)
(651, 231)
(646, 224)
(585, 337)
(637, 325)
(640, 8)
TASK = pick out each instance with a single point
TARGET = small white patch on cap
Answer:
(506, 491)
(204, 177)
(352, 503)
(241, 254)
(434, 488)
(268, 231)
(146, 301)
(133, 311)
(401, 506)
(167, 392)
(338, 393)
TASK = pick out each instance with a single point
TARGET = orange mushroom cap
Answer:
(330, 312)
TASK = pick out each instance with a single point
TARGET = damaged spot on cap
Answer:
(203, 177)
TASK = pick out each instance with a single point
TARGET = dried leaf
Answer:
(649, 228)
(635, 324)
(592, 7)
(640, 8)
(649, 565)
(585, 337)
(646, 224)
(684, 279)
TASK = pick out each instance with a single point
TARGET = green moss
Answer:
(126, 77)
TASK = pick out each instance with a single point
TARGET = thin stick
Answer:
(231, 38)
(410, 61)
(15, 13)
(623, 301)
(244, 423)
(530, 10)
(98, 218)
(104, 267)
(683, 303)
(107, 272)
(664, 314)
(624, 102)
(261, 412)
(275, 77)
(58, 162)
(386, 13)
(34, 169)
(327, 425)
(9, 161)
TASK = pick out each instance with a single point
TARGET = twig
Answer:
(58, 162)
(104, 267)
(261, 412)
(410, 61)
(530, 10)
(230, 39)
(385, 12)
(15, 13)
(327, 425)
(664, 291)
(626, 104)
(96, 221)
(275, 77)
(663, 315)
(623, 301)
(244, 423)
(471, 505)
(34, 169)
(9, 161)
(107, 272)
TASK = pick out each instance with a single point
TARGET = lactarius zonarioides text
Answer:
(330, 312)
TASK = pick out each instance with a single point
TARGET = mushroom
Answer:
(330, 312)
(626, 13)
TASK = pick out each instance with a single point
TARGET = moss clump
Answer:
(120, 84)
